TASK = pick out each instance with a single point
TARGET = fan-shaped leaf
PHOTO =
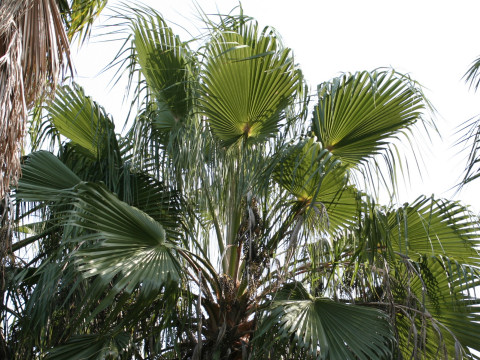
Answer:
(330, 330)
(83, 121)
(356, 114)
(44, 177)
(315, 178)
(435, 228)
(249, 80)
(127, 242)
(163, 60)
(446, 312)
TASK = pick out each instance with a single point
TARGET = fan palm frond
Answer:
(357, 113)
(439, 318)
(90, 347)
(43, 170)
(327, 329)
(435, 228)
(317, 179)
(131, 239)
(164, 61)
(249, 80)
(81, 120)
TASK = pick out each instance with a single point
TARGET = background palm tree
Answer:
(229, 222)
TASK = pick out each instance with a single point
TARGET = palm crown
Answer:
(225, 223)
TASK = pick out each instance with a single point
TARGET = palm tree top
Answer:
(228, 222)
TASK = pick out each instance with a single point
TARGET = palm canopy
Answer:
(225, 225)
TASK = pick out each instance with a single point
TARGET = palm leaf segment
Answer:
(45, 177)
(90, 347)
(80, 119)
(164, 62)
(326, 329)
(79, 15)
(356, 114)
(317, 179)
(132, 242)
(471, 139)
(123, 238)
(471, 130)
(446, 315)
(435, 244)
(435, 228)
(249, 80)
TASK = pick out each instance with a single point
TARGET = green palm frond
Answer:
(155, 199)
(166, 64)
(357, 115)
(249, 79)
(435, 228)
(317, 179)
(304, 167)
(81, 120)
(90, 347)
(470, 138)
(327, 329)
(471, 130)
(79, 15)
(45, 177)
(444, 322)
(126, 241)
(50, 292)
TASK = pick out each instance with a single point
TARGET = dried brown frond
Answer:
(33, 52)
(13, 109)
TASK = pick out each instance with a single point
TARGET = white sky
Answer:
(433, 41)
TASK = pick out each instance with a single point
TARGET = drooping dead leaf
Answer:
(34, 50)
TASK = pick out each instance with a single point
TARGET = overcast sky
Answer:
(433, 41)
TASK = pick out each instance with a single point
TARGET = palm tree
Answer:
(228, 222)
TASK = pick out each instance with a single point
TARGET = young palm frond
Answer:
(79, 15)
(359, 115)
(319, 183)
(249, 80)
